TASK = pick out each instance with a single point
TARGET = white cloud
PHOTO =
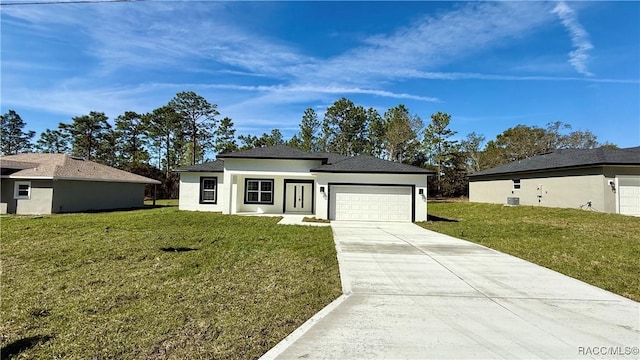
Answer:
(197, 39)
(435, 41)
(579, 37)
(499, 77)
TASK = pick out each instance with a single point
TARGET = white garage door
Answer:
(370, 203)
(629, 195)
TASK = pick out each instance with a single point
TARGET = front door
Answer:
(299, 197)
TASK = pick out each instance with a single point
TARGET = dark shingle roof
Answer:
(568, 158)
(334, 163)
(210, 166)
(332, 158)
(272, 152)
(371, 165)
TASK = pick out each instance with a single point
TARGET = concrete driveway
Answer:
(414, 293)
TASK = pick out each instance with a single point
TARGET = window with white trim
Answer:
(516, 184)
(208, 190)
(258, 191)
(22, 190)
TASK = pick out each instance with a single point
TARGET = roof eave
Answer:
(26, 177)
(372, 172)
(586, 166)
(188, 170)
(267, 157)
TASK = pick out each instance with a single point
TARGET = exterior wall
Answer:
(237, 170)
(270, 165)
(567, 189)
(610, 173)
(278, 194)
(38, 203)
(75, 196)
(189, 198)
(419, 181)
(7, 203)
(231, 186)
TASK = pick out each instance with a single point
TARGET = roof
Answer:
(331, 162)
(282, 152)
(332, 158)
(568, 158)
(65, 167)
(371, 165)
(210, 166)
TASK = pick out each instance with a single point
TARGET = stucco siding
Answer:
(569, 188)
(278, 193)
(270, 165)
(190, 192)
(568, 191)
(7, 203)
(39, 202)
(419, 181)
(610, 174)
(75, 196)
(232, 182)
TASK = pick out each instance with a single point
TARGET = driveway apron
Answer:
(415, 293)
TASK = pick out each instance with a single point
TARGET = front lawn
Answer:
(159, 283)
(600, 249)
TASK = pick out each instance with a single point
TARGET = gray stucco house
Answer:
(57, 183)
(606, 180)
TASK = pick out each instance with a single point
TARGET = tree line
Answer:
(183, 131)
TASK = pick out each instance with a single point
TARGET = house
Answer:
(600, 179)
(57, 183)
(284, 180)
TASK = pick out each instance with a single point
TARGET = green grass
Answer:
(600, 249)
(316, 220)
(159, 284)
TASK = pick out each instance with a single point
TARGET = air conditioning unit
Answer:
(513, 201)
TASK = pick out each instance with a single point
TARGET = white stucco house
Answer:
(284, 180)
(606, 180)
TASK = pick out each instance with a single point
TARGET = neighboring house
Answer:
(56, 183)
(605, 180)
(283, 180)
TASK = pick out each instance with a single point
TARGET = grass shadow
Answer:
(439, 219)
(178, 249)
(14, 348)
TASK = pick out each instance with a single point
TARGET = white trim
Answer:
(270, 173)
(617, 193)
(617, 185)
(16, 190)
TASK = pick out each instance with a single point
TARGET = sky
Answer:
(490, 65)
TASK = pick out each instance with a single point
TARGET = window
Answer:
(258, 191)
(516, 184)
(208, 190)
(22, 190)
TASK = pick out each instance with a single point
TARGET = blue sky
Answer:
(490, 65)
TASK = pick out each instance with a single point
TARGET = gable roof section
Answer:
(281, 152)
(65, 167)
(210, 166)
(568, 158)
(370, 165)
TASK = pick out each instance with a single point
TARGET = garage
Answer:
(371, 203)
(629, 195)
